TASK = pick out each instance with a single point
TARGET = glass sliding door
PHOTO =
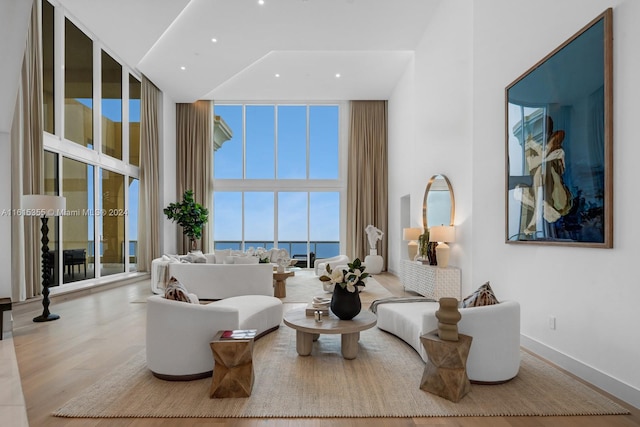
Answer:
(324, 223)
(258, 219)
(132, 214)
(78, 227)
(52, 188)
(227, 220)
(292, 222)
(111, 222)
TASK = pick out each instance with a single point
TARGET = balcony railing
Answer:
(321, 248)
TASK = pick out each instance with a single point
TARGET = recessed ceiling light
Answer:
(214, 40)
(183, 68)
(337, 75)
(260, 1)
(277, 75)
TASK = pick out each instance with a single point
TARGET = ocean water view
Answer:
(321, 249)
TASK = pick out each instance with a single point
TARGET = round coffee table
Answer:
(308, 330)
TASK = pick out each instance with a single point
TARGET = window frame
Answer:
(64, 148)
(277, 185)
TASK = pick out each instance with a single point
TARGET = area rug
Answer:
(383, 381)
(305, 285)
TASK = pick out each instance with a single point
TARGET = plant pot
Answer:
(344, 304)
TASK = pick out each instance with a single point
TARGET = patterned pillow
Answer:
(482, 296)
(176, 291)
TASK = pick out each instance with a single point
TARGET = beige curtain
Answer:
(27, 160)
(149, 210)
(194, 157)
(367, 194)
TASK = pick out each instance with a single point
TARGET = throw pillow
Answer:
(176, 291)
(245, 260)
(482, 296)
(171, 258)
(221, 255)
(196, 257)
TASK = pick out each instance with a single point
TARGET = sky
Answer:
(286, 159)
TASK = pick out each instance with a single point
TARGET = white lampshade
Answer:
(411, 233)
(442, 233)
(43, 205)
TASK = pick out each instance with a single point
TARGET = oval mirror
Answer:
(438, 206)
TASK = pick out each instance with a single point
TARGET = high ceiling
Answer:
(307, 42)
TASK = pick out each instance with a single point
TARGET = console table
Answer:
(430, 280)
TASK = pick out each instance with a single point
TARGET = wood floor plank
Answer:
(100, 330)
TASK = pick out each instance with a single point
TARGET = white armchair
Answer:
(320, 264)
(179, 333)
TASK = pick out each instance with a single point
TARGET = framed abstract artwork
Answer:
(559, 144)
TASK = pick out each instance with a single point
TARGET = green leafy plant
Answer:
(349, 279)
(191, 216)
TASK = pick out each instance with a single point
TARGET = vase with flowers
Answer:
(345, 302)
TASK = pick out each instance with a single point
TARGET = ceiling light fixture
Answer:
(337, 75)
(260, 1)
(183, 68)
(277, 75)
(214, 40)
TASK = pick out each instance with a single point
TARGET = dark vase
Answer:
(344, 304)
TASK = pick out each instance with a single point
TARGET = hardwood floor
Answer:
(100, 330)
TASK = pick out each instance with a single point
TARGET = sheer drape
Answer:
(367, 195)
(149, 210)
(194, 157)
(27, 159)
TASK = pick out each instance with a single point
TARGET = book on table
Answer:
(239, 334)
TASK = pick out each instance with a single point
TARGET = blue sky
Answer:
(287, 161)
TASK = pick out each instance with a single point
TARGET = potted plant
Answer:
(191, 216)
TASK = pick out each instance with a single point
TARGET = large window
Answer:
(92, 140)
(278, 179)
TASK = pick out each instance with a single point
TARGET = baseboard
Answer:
(611, 385)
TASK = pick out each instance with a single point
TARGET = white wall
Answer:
(591, 292)
(430, 127)
(469, 53)
(167, 187)
(401, 140)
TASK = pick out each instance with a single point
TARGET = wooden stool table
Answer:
(233, 370)
(280, 284)
(446, 372)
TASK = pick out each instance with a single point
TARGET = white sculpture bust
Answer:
(373, 234)
(373, 261)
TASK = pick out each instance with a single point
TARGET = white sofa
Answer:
(178, 333)
(320, 265)
(211, 281)
(494, 356)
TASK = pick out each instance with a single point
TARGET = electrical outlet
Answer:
(552, 322)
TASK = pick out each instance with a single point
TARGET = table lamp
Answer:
(442, 234)
(411, 234)
(44, 206)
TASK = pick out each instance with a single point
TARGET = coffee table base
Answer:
(349, 344)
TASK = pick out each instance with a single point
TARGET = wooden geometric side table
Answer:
(233, 370)
(446, 371)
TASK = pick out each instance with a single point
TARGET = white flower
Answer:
(337, 276)
(351, 287)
